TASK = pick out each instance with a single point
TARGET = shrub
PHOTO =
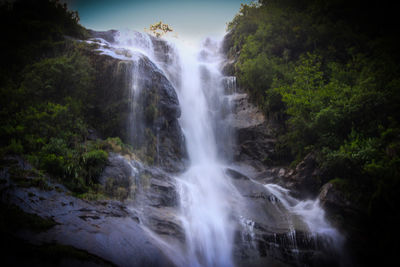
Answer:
(94, 162)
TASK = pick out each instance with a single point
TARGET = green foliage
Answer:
(115, 144)
(32, 28)
(301, 78)
(94, 162)
(46, 101)
(92, 195)
(78, 166)
(52, 157)
(14, 147)
(58, 79)
(328, 72)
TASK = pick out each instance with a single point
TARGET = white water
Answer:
(206, 194)
(205, 191)
(210, 204)
(311, 214)
(208, 199)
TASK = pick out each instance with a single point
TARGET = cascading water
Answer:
(311, 214)
(205, 191)
(219, 215)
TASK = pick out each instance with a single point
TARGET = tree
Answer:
(159, 29)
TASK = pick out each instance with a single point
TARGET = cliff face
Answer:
(146, 119)
(111, 101)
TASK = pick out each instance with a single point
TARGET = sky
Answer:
(190, 19)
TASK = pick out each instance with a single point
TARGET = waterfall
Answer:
(212, 209)
(222, 211)
(205, 191)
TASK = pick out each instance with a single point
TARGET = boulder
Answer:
(333, 199)
(305, 180)
(345, 214)
(119, 169)
(144, 185)
(118, 177)
(352, 220)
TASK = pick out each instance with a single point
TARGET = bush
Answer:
(94, 162)
(15, 147)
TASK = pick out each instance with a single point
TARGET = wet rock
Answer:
(332, 199)
(128, 179)
(162, 193)
(235, 174)
(162, 50)
(351, 218)
(268, 230)
(118, 177)
(228, 68)
(118, 169)
(155, 119)
(166, 223)
(254, 137)
(107, 229)
(246, 115)
(156, 201)
(109, 35)
(154, 124)
(293, 247)
(229, 85)
(166, 56)
(305, 180)
(156, 90)
(172, 154)
(342, 212)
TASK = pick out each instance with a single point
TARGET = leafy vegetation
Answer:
(329, 74)
(46, 91)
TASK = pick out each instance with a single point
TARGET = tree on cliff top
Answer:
(159, 29)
